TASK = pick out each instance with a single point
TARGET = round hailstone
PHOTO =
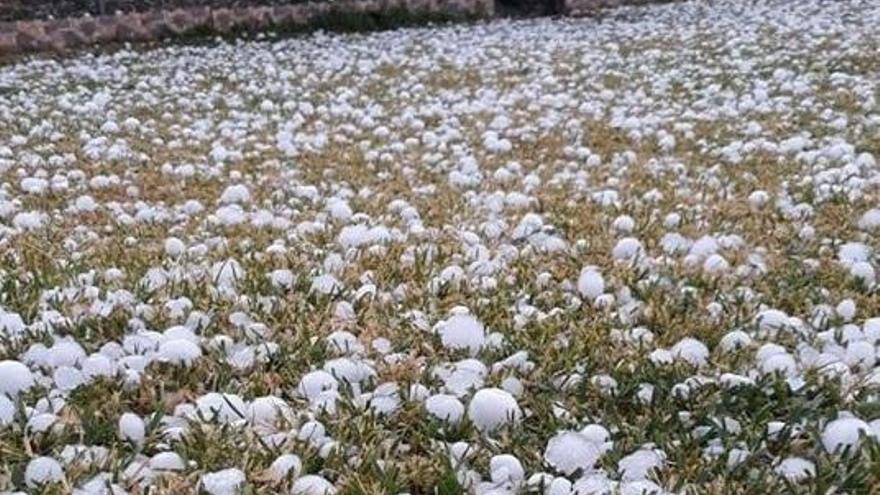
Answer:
(853, 252)
(312, 485)
(642, 487)
(7, 411)
(179, 351)
(628, 249)
(691, 350)
(462, 332)
(98, 365)
(315, 382)
(226, 408)
(864, 272)
(638, 465)
(506, 468)
(225, 482)
(735, 340)
(843, 433)
(590, 283)
(266, 411)
(235, 194)
(715, 265)
(796, 469)
(492, 407)
(43, 470)
(15, 378)
(772, 319)
(558, 486)
(11, 324)
(174, 247)
(870, 219)
(167, 461)
(846, 309)
(349, 370)
(284, 467)
(445, 407)
(782, 363)
(132, 428)
(570, 451)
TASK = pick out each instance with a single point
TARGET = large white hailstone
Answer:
(570, 451)
(7, 411)
(844, 433)
(715, 265)
(554, 486)
(65, 353)
(179, 351)
(226, 273)
(445, 407)
(132, 428)
(43, 422)
(638, 465)
(772, 319)
(590, 283)
(734, 340)
(491, 408)
(29, 220)
(782, 363)
(315, 382)
(628, 249)
(224, 482)
(853, 252)
(282, 278)
(594, 484)
(846, 309)
(597, 434)
(174, 247)
(704, 247)
(506, 468)
(860, 354)
(266, 411)
(870, 220)
(462, 332)
(15, 378)
(342, 342)
(98, 365)
(796, 469)
(167, 461)
(349, 370)
(325, 284)
(226, 408)
(624, 224)
(286, 466)
(11, 324)
(312, 485)
(235, 194)
(67, 378)
(641, 487)
(661, 357)
(864, 272)
(691, 351)
(43, 470)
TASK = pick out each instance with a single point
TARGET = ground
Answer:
(628, 254)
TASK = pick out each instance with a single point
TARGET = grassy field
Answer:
(629, 254)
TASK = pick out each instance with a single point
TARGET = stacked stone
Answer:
(59, 35)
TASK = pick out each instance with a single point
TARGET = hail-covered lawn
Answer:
(629, 255)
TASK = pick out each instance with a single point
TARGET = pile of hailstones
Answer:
(846, 351)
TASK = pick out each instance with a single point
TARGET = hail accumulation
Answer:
(635, 254)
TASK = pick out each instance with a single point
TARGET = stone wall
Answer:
(25, 10)
(588, 7)
(63, 34)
